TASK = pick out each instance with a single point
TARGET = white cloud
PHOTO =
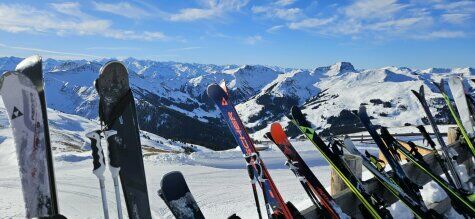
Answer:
(23, 18)
(192, 14)
(456, 18)
(285, 2)
(281, 13)
(252, 40)
(275, 28)
(122, 9)
(457, 6)
(63, 54)
(310, 23)
(185, 48)
(442, 34)
(211, 9)
(376, 9)
(398, 24)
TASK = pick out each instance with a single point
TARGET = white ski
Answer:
(458, 92)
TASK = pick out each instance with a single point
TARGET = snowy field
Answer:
(218, 180)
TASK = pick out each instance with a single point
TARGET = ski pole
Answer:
(114, 167)
(99, 166)
(250, 172)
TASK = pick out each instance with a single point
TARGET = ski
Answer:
(177, 196)
(459, 95)
(372, 205)
(387, 149)
(117, 112)
(448, 158)
(316, 191)
(460, 201)
(376, 167)
(24, 99)
(440, 160)
(465, 136)
(275, 204)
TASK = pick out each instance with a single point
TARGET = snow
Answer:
(217, 179)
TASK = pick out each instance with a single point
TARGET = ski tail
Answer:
(278, 136)
(274, 201)
(176, 194)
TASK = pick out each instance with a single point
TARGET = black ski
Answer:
(175, 193)
(448, 158)
(372, 206)
(376, 167)
(461, 201)
(117, 112)
(391, 155)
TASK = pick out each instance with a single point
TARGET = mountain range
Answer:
(172, 102)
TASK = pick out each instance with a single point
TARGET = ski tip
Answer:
(112, 63)
(298, 117)
(268, 135)
(28, 63)
(278, 134)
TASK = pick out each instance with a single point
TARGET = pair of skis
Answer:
(117, 112)
(376, 167)
(99, 164)
(275, 205)
(23, 94)
(387, 148)
(372, 206)
(312, 186)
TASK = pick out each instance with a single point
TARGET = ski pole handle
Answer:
(114, 159)
(98, 159)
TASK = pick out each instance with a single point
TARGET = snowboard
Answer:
(175, 193)
(117, 112)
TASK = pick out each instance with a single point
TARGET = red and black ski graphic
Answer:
(276, 207)
(309, 181)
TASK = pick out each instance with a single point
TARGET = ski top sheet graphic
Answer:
(296, 163)
(272, 197)
(117, 112)
(175, 193)
(23, 105)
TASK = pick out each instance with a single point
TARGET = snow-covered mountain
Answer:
(172, 102)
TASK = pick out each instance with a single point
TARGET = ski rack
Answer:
(346, 200)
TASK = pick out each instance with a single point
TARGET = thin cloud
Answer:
(285, 2)
(211, 9)
(122, 9)
(310, 23)
(49, 51)
(252, 40)
(185, 48)
(18, 18)
(456, 18)
(275, 28)
(112, 48)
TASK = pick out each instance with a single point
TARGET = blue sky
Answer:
(288, 33)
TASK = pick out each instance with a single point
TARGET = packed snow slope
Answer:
(217, 179)
(172, 102)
